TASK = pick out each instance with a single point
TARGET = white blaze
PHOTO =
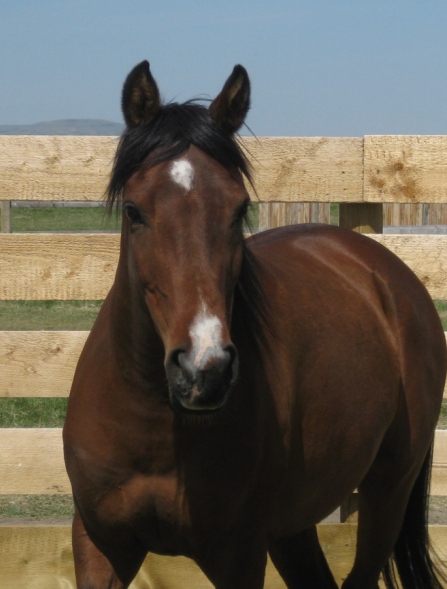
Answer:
(182, 173)
(206, 338)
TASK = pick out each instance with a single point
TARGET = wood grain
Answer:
(55, 168)
(396, 214)
(307, 169)
(41, 557)
(439, 477)
(405, 169)
(46, 266)
(426, 255)
(5, 215)
(31, 462)
(314, 169)
(39, 363)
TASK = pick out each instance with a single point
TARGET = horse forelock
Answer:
(169, 135)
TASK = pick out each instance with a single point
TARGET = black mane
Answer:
(169, 135)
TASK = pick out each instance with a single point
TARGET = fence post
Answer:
(273, 214)
(5, 209)
(362, 217)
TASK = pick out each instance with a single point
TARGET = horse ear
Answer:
(140, 99)
(231, 106)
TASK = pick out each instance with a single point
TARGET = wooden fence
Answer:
(276, 214)
(361, 174)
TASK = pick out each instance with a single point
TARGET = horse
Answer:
(234, 391)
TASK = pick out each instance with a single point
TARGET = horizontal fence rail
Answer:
(82, 266)
(41, 363)
(31, 462)
(307, 174)
(373, 169)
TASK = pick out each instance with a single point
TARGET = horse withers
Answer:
(232, 393)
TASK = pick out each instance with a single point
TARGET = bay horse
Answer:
(232, 393)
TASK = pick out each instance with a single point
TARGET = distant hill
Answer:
(65, 127)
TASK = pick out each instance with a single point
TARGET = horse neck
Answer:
(136, 344)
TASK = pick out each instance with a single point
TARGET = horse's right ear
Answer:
(140, 99)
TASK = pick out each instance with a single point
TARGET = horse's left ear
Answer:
(140, 99)
(231, 106)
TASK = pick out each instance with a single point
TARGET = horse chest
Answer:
(152, 507)
(167, 515)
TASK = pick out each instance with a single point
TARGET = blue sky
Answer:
(318, 67)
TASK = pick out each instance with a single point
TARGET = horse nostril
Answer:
(179, 365)
(175, 357)
(231, 350)
(232, 362)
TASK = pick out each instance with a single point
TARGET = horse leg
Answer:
(300, 561)
(93, 570)
(383, 501)
(238, 562)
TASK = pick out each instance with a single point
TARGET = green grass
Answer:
(48, 315)
(442, 422)
(32, 412)
(94, 218)
(441, 307)
(36, 507)
(63, 219)
(334, 215)
(80, 219)
(253, 216)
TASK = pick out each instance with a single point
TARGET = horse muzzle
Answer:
(194, 386)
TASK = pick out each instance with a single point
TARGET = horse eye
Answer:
(241, 211)
(133, 214)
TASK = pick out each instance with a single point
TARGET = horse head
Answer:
(179, 174)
